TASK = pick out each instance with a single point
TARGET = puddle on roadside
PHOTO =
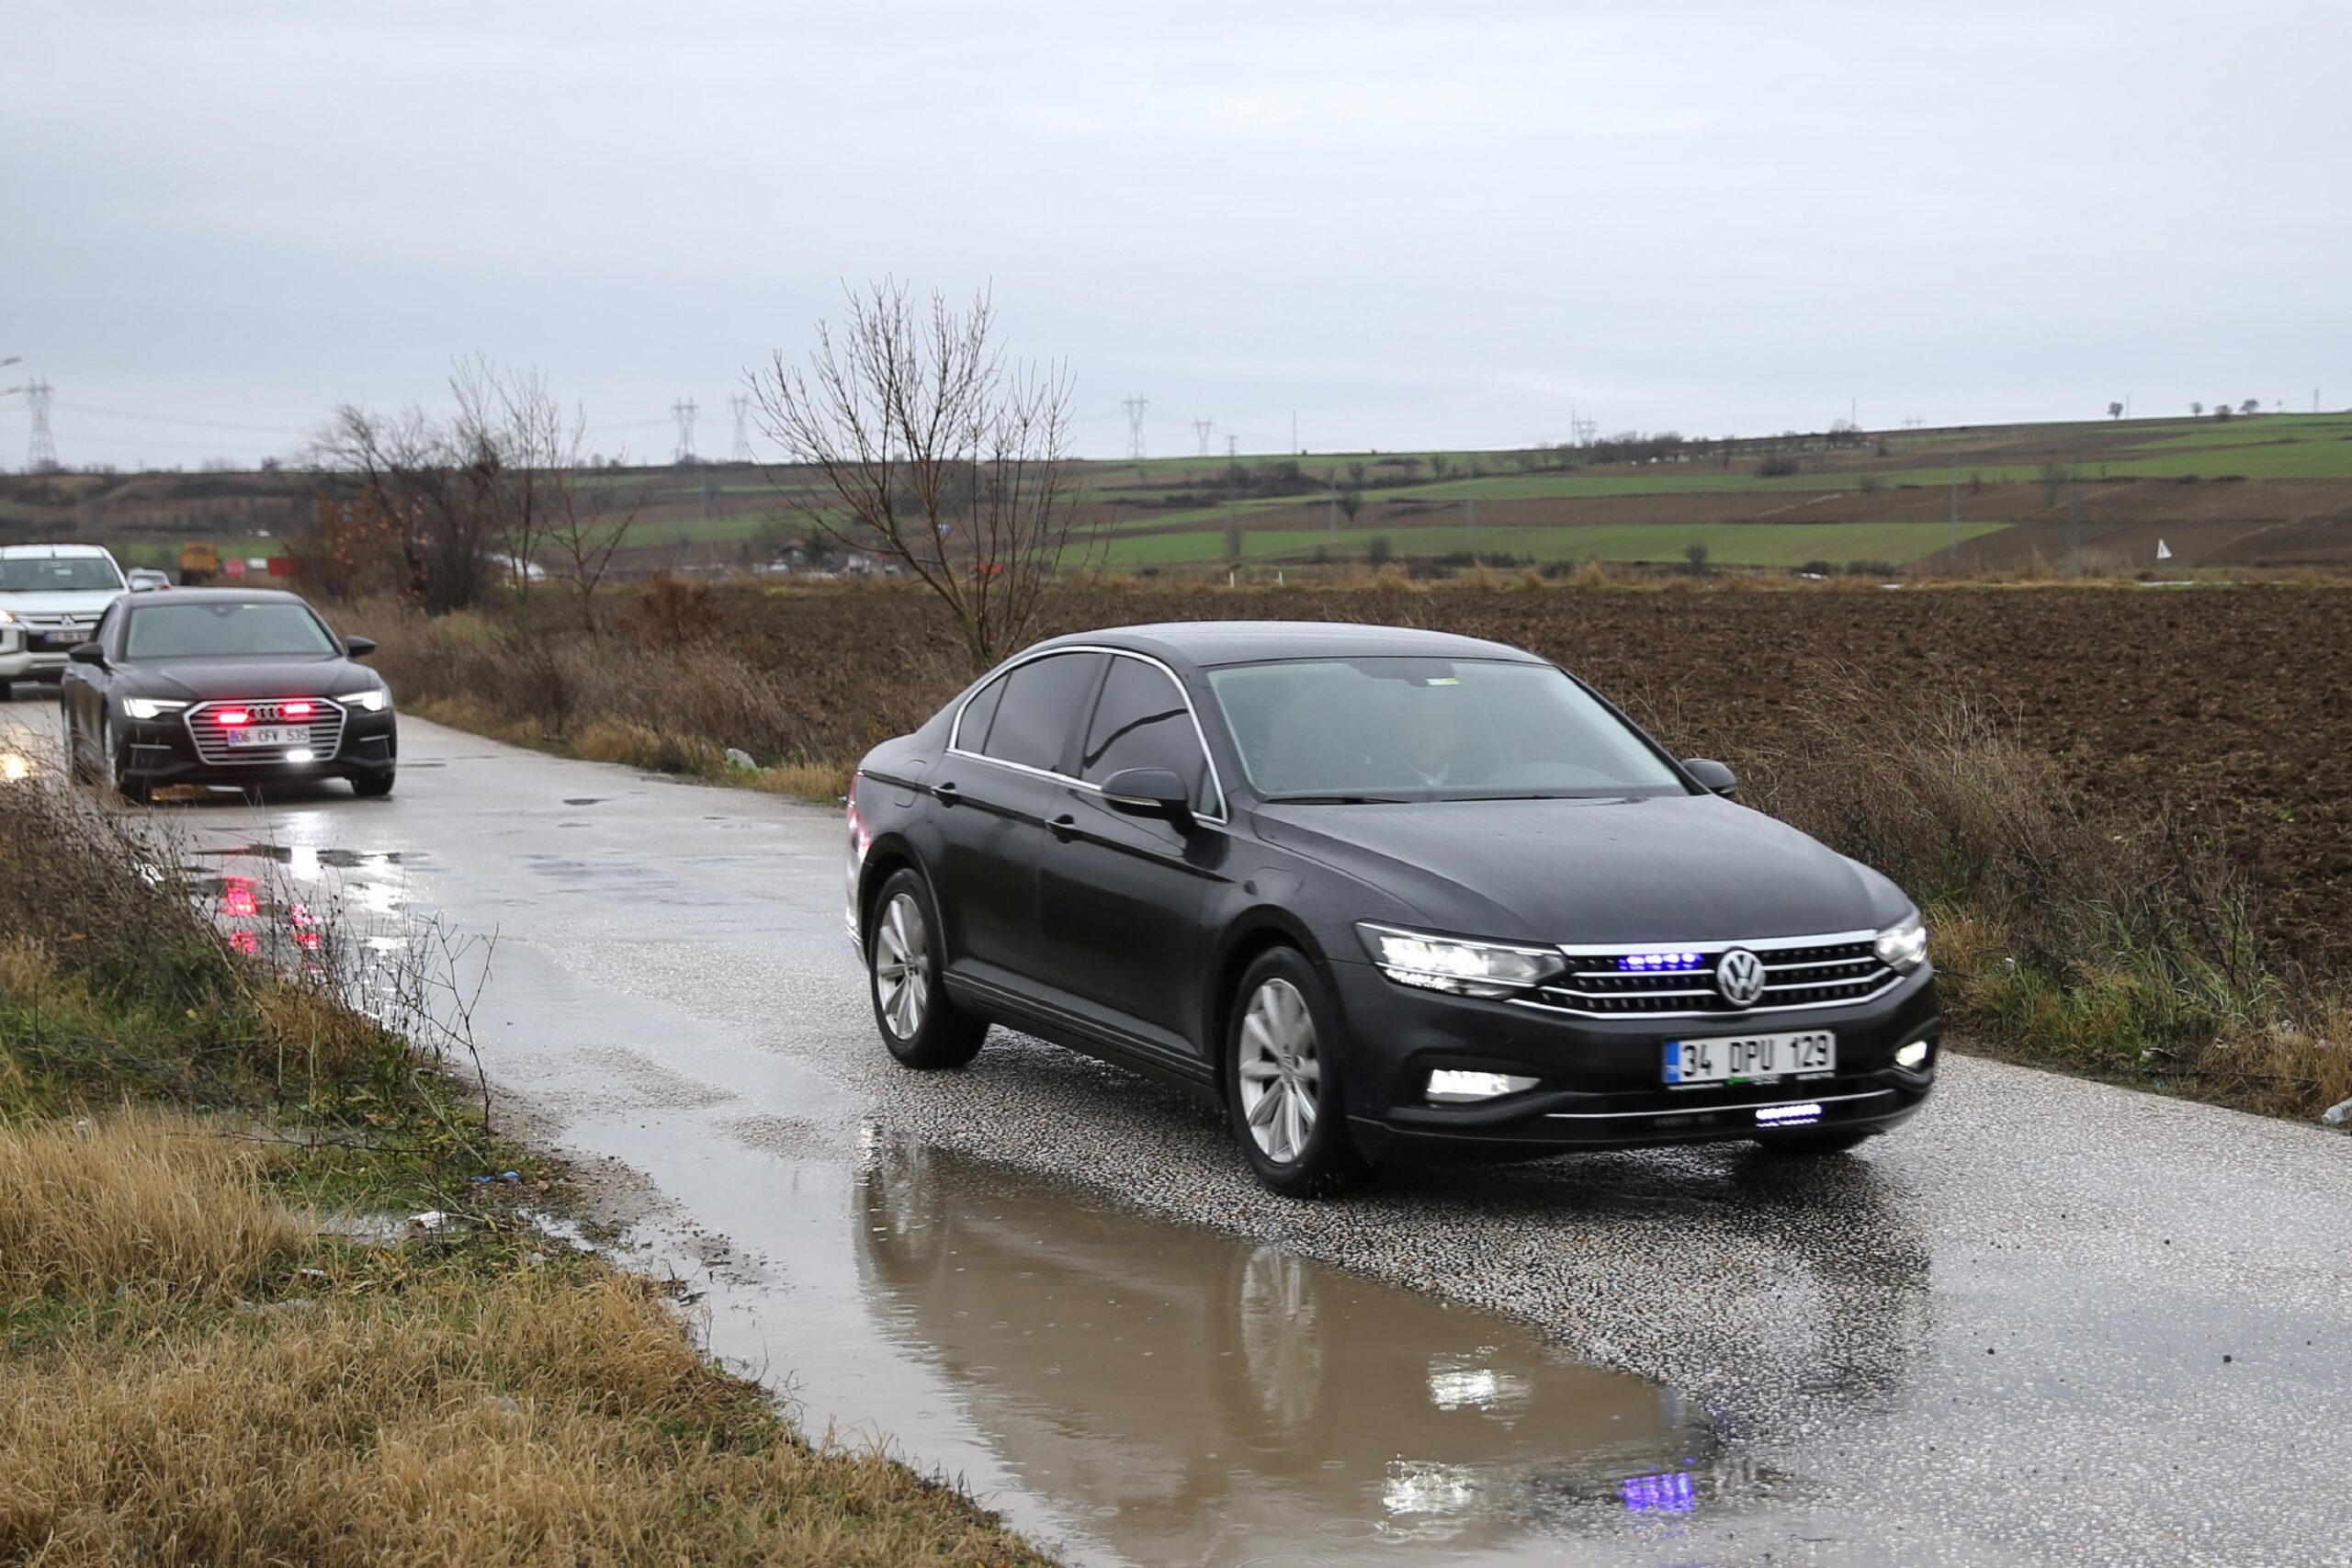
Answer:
(1199, 1399)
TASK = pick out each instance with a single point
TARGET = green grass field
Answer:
(1728, 544)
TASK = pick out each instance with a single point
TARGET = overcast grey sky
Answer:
(1408, 223)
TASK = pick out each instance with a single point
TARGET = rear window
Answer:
(225, 631)
(1043, 702)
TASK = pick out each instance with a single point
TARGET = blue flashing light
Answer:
(1673, 1493)
(1660, 963)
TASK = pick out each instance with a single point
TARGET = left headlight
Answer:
(1449, 963)
(1904, 947)
(6, 619)
(376, 701)
(150, 707)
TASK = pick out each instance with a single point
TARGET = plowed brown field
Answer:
(2229, 710)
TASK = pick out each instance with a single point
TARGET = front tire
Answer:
(1285, 1099)
(372, 787)
(922, 1028)
(128, 784)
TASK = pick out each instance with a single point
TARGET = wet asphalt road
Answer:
(2047, 1321)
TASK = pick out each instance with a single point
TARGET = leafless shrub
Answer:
(930, 448)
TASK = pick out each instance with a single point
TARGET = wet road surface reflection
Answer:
(1210, 1400)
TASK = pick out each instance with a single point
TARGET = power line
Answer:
(742, 451)
(1204, 428)
(41, 454)
(684, 412)
(1136, 405)
(176, 419)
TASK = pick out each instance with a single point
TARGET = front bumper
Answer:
(1599, 1079)
(160, 753)
(20, 662)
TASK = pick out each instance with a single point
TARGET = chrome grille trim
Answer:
(327, 728)
(1802, 973)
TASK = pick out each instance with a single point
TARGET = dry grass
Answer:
(90, 1209)
(489, 1413)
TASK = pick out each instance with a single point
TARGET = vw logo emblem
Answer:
(1739, 975)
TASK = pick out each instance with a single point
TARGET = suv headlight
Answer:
(1903, 947)
(376, 701)
(150, 707)
(1449, 963)
(6, 619)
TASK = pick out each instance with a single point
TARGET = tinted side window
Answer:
(1142, 722)
(1043, 702)
(972, 729)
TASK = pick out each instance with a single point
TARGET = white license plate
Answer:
(269, 734)
(1751, 1058)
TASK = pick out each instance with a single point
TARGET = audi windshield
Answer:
(1357, 731)
(226, 631)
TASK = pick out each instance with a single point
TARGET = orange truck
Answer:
(199, 563)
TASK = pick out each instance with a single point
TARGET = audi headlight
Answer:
(376, 701)
(1449, 963)
(1903, 947)
(150, 707)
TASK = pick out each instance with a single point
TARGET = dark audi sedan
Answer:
(224, 687)
(1381, 894)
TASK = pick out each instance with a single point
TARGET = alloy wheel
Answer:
(901, 971)
(1281, 1078)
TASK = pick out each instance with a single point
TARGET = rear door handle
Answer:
(947, 793)
(1063, 828)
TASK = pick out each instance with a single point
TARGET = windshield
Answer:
(59, 575)
(1369, 729)
(213, 631)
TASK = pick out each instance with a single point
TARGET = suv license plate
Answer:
(269, 734)
(1750, 1058)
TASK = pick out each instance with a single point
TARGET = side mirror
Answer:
(1711, 775)
(1149, 792)
(359, 647)
(87, 653)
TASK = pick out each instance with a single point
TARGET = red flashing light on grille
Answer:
(298, 710)
(231, 717)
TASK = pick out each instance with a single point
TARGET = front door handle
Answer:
(947, 793)
(1063, 828)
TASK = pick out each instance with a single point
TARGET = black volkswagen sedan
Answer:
(224, 687)
(1381, 894)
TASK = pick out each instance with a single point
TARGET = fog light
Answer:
(1914, 1056)
(300, 754)
(1454, 1088)
(1788, 1115)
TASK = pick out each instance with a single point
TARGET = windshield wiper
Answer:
(1333, 800)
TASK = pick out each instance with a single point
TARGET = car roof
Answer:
(51, 552)
(1245, 642)
(227, 596)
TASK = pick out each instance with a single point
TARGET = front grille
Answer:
(1680, 981)
(324, 723)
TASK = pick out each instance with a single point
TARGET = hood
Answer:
(253, 679)
(91, 603)
(1676, 868)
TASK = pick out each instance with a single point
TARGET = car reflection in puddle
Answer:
(1211, 1399)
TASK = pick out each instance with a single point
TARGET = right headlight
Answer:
(1432, 963)
(376, 701)
(1903, 947)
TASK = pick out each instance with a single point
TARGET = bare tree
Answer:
(2115, 410)
(421, 487)
(2252, 405)
(2195, 410)
(927, 447)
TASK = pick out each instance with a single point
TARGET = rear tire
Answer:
(922, 1028)
(8, 692)
(1284, 1096)
(1836, 1142)
(372, 787)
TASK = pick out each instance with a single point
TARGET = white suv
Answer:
(50, 599)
